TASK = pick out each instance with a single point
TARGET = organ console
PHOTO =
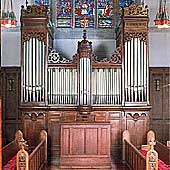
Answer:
(85, 87)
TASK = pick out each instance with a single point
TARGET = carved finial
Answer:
(84, 34)
(152, 143)
(26, 2)
(85, 24)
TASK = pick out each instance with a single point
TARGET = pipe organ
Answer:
(34, 52)
(84, 88)
(82, 81)
(34, 71)
(135, 70)
(85, 80)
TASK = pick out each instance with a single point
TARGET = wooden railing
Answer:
(133, 158)
(12, 148)
(37, 160)
(37, 157)
(136, 160)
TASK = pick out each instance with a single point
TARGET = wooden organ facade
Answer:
(84, 91)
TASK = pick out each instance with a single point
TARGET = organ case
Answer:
(84, 88)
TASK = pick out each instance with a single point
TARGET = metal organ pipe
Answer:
(106, 86)
(33, 71)
(145, 73)
(62, 85)
(84, 81)
(135, 71)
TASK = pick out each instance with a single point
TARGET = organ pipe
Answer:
(106, 86)
(135, 71)
(62, 85)
(33, 71)
(85, 70)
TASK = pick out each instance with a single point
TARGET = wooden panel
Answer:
(157, 126)
(104, 141)
(166, 131)
(160, 99)
(116, 134)
(77, 141)
(66, 141)
(88, 145)
(10, 91)
(163, 152)
(10, 129)
(137, 127)
(35, 122)
(166, 97)
(156, 97)
(91, 141)
(53, 136)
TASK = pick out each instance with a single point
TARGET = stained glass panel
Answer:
(84, 10)
(105, 13)
(44, 3)
(77, 13)
(64, 13)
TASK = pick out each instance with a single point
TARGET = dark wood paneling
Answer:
(53, 119)
(10, 100)
(160, 101)
(137, 124)
(116, 121)
(33, 123)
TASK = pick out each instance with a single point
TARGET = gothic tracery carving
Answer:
(34, 115)
(33, 11)
(136, 11)
(55, 58)
(115, 58)
(41, 36)
(136, 116)
(141, 35)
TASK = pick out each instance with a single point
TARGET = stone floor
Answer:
(115, 166)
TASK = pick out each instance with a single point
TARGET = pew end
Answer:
(38, 157)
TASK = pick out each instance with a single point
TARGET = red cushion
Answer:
(161, 164)
(11, 164)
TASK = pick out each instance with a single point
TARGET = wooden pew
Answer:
(134, 159)
(163, 151)
(131, 155)
(11, 149)
(37, 160)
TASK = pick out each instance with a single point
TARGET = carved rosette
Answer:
(55, 58)
(33, 11)
(41, 36)
(136, 11)
(141, 35)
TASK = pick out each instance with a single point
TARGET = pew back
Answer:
(9, 151)
(164, 152)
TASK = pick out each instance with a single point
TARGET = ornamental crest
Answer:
(136, 11)
(55, 58)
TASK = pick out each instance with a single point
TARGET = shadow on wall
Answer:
(101, 51)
